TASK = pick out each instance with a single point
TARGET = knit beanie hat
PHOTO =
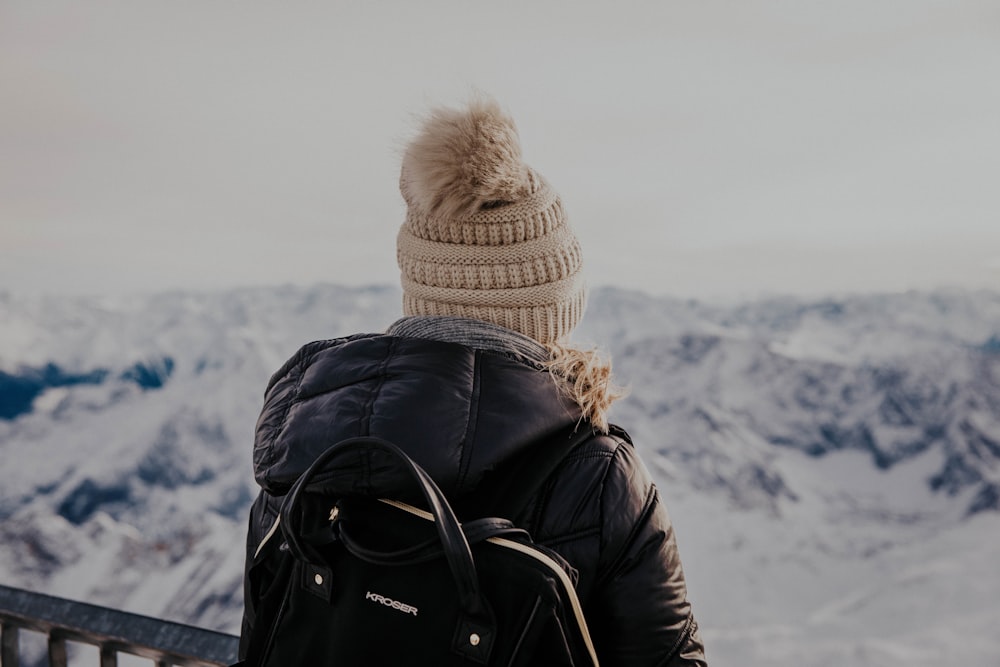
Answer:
(485, 236)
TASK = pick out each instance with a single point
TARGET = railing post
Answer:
(8, 645)
(109, 656)
(57, 650)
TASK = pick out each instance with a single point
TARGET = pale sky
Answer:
(701, 148)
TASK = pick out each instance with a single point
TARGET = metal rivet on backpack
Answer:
(318, 579)
(474, 639)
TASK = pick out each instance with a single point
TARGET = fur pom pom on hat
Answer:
(464, 160)
(485, 236)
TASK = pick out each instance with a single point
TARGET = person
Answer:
(480, 370)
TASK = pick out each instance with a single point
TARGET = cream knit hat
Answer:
(485, 236)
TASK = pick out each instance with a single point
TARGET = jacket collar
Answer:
(477, 334)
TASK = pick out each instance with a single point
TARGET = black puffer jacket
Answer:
(463, 414)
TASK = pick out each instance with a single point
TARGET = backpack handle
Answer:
(453, 541)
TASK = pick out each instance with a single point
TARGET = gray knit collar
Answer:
(477, 334)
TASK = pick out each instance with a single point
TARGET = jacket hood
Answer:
(459, 412)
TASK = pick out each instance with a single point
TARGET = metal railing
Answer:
(110, 630)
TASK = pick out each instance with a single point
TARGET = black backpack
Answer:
(352, 573)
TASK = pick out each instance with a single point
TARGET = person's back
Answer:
(478, 375)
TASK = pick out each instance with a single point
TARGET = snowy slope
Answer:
(831, 467)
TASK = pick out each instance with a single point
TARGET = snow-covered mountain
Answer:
(832, 468)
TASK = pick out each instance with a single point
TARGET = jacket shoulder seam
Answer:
(595, 448)
(648, 505)
(472, 419)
